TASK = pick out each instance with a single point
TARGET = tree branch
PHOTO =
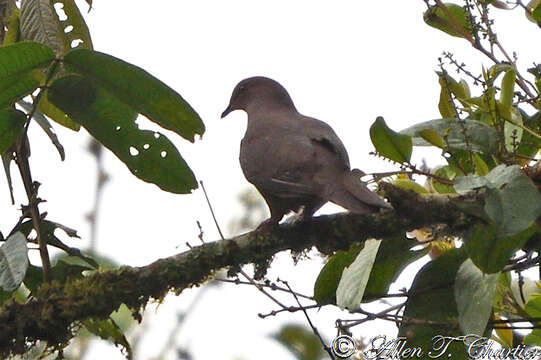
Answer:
(55, 311)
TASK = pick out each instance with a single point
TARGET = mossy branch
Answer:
(56, 310)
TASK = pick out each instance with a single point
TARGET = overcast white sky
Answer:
(344, 62)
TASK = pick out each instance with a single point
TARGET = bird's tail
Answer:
(353, 194)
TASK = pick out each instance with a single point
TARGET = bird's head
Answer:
(259, 93)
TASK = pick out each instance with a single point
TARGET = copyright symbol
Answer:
(343, 346)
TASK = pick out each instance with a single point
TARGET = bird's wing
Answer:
(323, 134)
(294, 159)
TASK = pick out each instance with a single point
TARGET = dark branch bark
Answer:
(56, 310)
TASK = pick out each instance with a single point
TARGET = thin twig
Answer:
(290, 309)
(252, 281)
(314, 329)
(372, 316)
(271, 286)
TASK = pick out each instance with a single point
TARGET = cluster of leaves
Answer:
(49, 73)
(490, 142)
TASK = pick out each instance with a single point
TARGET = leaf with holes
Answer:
(20, 66)
(149, 155)
(11, 125)
(138, 89)
(13, 31)
(75, 23)
(13, 262)
(390, 144)
(40, 23)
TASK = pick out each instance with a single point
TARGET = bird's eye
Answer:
(242, 88)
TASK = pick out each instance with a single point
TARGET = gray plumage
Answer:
(294, 160)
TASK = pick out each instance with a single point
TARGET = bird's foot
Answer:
(267, 225)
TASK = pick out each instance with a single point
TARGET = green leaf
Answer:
(481, 168)
(432, 299)
(45, 125)
(500, 5)
(432, 137)
(350, 291)
(512, 204)
(446, 105)
(513, 201)
(439, 19)
(149, 155)
(40, 23)
(7, 158)
(470, 182)
(11, 125)
(530, 145)
(410, 185)
(61, 271)
(479, 136)
(329, 277)
(19, 70)
(533, 307)
(491, 251)
(13, 262)
(389, 143)
(451, 86)
(512, 132)
(474, 295)
(393, 256)
(75, 19)
(4, 296)
(301, 341)
(460, 89)
(508, 88)
(56, 114)
(535, 7)
(48, 234)
(445, 172)
(138, 89)
(533, 338)
(13, 32)
(108, 330)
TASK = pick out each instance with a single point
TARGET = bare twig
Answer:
(272, 286)
(22, 151)
(242, 272)
(314, 329)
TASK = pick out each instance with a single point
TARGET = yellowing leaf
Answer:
(432, 137)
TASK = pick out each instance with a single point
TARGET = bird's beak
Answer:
(227, 111)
